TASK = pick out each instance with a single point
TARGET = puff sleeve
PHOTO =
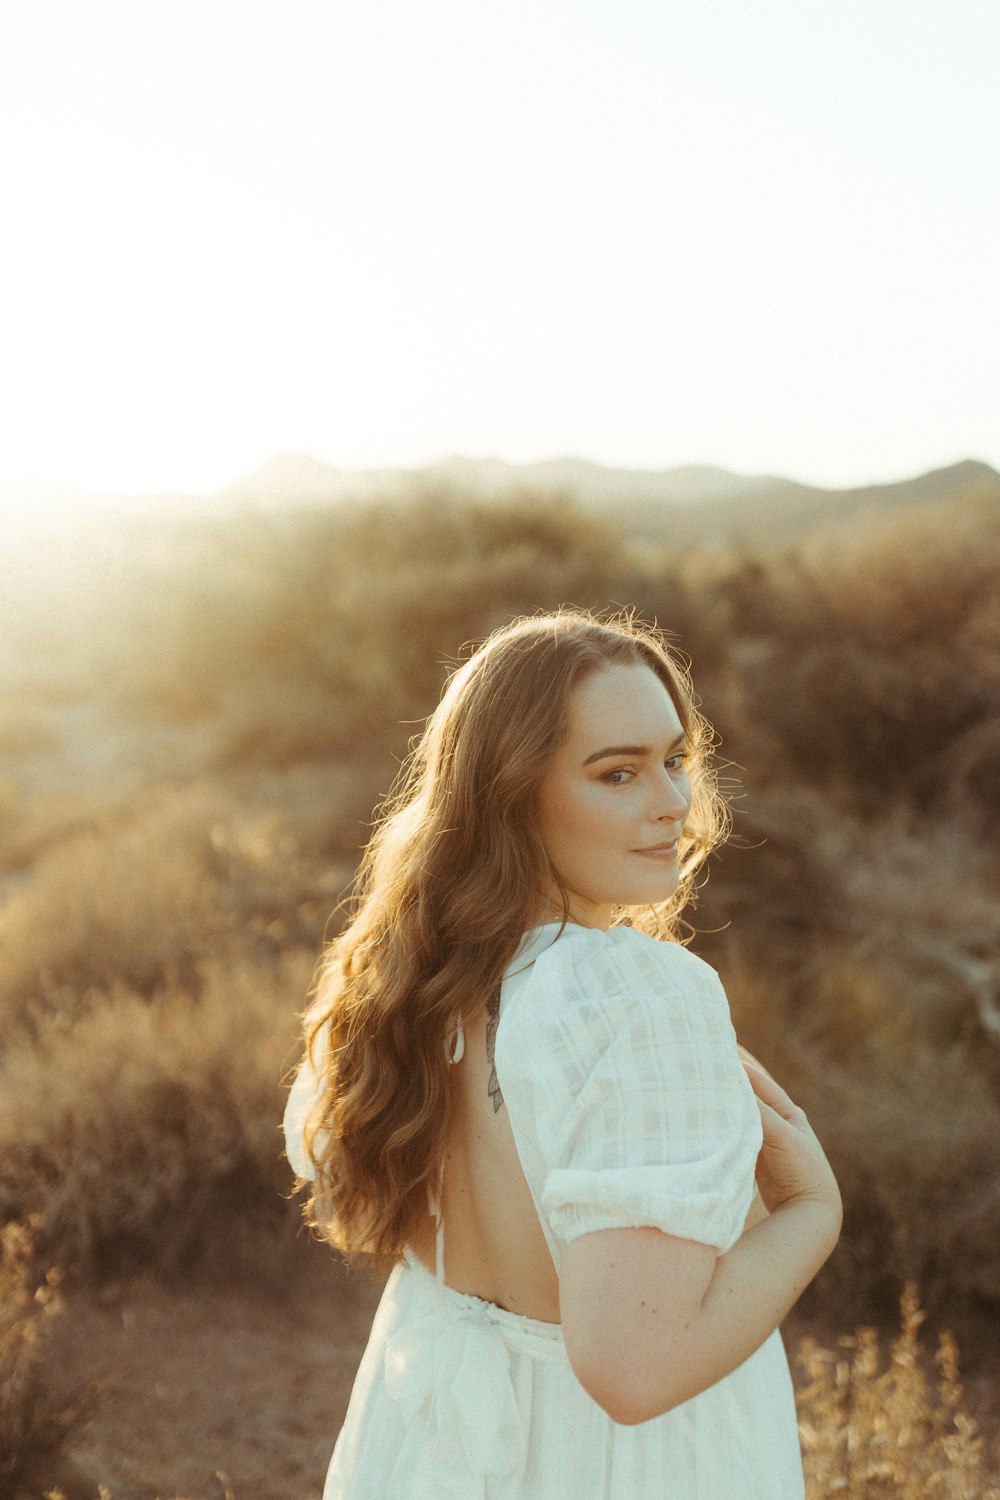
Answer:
(619, 1066)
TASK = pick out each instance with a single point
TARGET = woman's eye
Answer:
(676, 762)
(620, 776)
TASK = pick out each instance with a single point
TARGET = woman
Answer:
(538, 1115)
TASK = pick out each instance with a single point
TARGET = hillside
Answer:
(695, 505)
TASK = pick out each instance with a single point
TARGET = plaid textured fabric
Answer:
(629, 1105)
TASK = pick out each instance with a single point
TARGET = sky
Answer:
(381, 232)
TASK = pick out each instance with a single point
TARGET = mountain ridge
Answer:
(700, 504)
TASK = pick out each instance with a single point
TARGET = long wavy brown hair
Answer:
(453, 876)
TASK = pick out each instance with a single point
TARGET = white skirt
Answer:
(456, 1399)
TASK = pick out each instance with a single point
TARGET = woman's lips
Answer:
(659, 851)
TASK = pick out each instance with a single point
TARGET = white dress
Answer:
(618, 1066)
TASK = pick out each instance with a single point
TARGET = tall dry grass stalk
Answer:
(887, 1431)
(103, 1493)
(35, 1416)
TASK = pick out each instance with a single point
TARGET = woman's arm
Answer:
(651, 1320)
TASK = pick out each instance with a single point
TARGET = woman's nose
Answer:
(674, 799)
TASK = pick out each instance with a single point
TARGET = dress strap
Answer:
(434, 1204)
(456, 1049)
(455, 1053)
(439, 1250)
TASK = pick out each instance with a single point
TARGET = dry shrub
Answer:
(874, 1433)
(36, 1416)
(147, 1132)
(138, 900)
(843, 713)
(909, 1121)
(863, 661)
(31, 823)
(330, 626)
(913, 1139)
(25, 731)
(128, 902)
(915, 580)
(879, 1016)
(900, 890)
(11, 803)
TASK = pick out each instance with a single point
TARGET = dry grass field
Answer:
(188, 767)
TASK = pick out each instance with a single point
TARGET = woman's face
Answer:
(616, 795)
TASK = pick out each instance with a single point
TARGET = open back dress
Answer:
(629, 1107)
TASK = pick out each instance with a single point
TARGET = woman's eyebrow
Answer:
(629, 750)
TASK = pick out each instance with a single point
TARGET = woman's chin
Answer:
(655, 892)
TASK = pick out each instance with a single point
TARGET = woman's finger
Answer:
(777, 1125)
(748, 1057)
(771, 1092)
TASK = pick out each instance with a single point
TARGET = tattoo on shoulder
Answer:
(492, 1022)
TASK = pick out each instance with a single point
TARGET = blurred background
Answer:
(334, 337)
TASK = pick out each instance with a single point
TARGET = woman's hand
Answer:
(791, 1165)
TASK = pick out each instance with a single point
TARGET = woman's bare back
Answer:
(494, 1246)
